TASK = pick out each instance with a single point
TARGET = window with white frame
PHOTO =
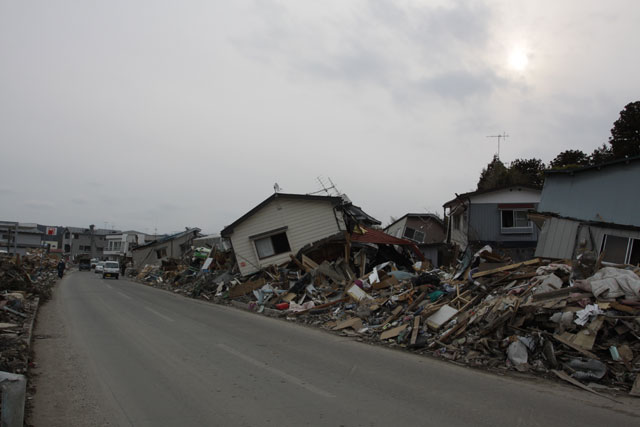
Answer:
(514, 220)
(271, 245)
(620, 250)
(413, 234)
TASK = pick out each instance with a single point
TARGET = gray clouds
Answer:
(146, 114)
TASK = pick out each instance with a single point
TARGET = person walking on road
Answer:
(61, 266)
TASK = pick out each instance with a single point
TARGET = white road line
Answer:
(109, 286)
(126, 296)
(295, 380)
(160, 314)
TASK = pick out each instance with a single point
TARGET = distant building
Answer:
(496, 217)
(51, 236)
(427, 231)
(174, 246)
(119, 246)
(19, 237)
(594, 208)
(85, 241)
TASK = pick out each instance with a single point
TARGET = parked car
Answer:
(99, 267)
(84, 264)
(94, 262)
(111, 269)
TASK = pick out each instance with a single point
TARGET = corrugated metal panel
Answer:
(557, 238)
(306, 222)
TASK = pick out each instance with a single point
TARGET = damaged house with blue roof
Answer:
(592, 208)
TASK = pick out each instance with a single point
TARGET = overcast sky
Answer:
(164, 114)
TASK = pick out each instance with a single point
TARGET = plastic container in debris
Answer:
(282, 306)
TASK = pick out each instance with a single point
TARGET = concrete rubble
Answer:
(24, 283)
(543, 317)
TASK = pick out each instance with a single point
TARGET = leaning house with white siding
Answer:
(280, 226)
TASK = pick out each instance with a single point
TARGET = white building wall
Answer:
(307, 222)
(397, 229)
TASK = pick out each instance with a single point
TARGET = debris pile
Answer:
(572, 319)
(24, 281)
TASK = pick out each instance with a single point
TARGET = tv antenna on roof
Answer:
(503, 136)
(328, 189)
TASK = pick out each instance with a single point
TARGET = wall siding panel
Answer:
(485, 225)
(306, 220)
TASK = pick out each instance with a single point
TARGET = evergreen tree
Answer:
(570, 159)
(625, 134)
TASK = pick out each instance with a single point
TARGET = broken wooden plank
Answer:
(289, 297)
(563, 376)
(622, 307)
(577, 348)
(393, 332)
(298, 263)
(462, 322)
(553, 294)
(388, 282)
(325, 305)
(414, 332)
(506, 268)
(354, 323)
(394, 315)
(417, 301)
(308, 262)
(245, 288)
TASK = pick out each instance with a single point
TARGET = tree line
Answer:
(624, 142)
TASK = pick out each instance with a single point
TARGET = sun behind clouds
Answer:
(518, 59)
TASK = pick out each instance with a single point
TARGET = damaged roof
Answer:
(228, 230)
(478, 192)
(169, 237)
(417, 215)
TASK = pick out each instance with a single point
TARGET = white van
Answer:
(111, 269)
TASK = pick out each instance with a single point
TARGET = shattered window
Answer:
(272, 245)
(409, 232)
(162, 252)
(513, 219)
(616, 249)
(413, 234)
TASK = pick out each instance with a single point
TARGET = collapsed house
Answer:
(285, 223)
(495, 217)
(592, 208)
(174, 246)
(427, 231)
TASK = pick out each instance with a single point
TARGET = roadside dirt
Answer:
(65, 394)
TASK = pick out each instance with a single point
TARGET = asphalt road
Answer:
(121, 353)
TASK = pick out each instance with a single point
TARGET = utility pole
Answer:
(15, 241)
(503, 136)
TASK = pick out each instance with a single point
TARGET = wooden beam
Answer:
(506, 268)
(416, 328)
